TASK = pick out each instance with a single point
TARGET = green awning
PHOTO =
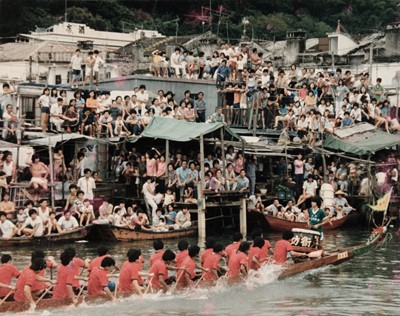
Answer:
(181, 131)
(366, 143)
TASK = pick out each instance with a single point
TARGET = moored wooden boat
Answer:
(278, 224)
(335, 257)
(69, 236)
(125, 234)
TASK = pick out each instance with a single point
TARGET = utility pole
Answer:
(65, 13)
(371, 53)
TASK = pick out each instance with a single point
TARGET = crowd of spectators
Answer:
(167, 189)
(310, 102)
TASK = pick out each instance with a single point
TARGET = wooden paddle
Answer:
(315, 254)
(173, 287)
(80, 291)
(148, 286)
(199, 280)
(44, 293)
(6, 297)
(116, 289)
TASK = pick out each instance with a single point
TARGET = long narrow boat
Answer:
(333, 258)
(69, 236)
(278, 224)
(125, 234)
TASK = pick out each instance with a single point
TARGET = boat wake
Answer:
(266, 275)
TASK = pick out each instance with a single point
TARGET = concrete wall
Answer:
(340, 43)
(392, 42)
(292, 50)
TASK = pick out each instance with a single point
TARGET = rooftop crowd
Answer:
(308, 101)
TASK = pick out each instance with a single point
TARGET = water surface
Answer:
(365, 285)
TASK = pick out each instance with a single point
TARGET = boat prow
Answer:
(335, 257)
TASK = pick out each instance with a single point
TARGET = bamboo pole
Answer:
(166, 160)
(223, 153)
(200, 190)
(51, 167)
(243, 219)
(167, 152)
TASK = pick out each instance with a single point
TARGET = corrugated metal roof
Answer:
(61, 52)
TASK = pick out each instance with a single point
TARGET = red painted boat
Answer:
(281, 225)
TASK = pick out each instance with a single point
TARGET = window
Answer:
(28, 107)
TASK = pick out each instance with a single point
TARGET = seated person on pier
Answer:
(7, 228)
(117, 218)
(340, 203)
(169, 198)
(302, 216)
(21, 217)
(7, 206)
(87, 121)
(141, 222)
(105, 214)
(182, 220)
(289, 215)
(158, 222)
(33, 226)
(281, 212)
(218, 181)
(273, 208)
(295, 209)
(39, 172)
(188, 195)
(53, 227)
(170, 215)
(104, 124)
(68, 222)
(243, 182)
(254, 203)
(13, 128)
(309, 190)
(230, 177)
(87, 213)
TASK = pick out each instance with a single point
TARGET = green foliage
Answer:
(268, 19)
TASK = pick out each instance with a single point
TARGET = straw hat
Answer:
(339, 192)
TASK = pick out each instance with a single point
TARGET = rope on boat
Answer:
(386, 239)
